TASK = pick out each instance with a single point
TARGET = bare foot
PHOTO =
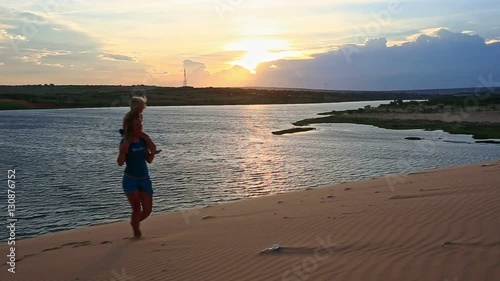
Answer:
(134, 238)
(137, 231)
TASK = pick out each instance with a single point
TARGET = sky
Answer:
(317, 44)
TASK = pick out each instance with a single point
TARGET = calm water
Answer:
(67, 176)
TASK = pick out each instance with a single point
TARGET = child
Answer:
(137, 105)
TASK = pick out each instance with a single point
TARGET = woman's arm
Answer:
(122, 153)
(149, 143)
(149, 156)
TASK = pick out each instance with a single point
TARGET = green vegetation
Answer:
(50, 96)
(5, 105)
(293, 130)
(394, 115)
(478, 131)
(489, 141)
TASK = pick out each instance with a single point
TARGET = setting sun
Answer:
(261, 50)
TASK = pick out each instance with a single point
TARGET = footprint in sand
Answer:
(74, 244)
(51, 249)
(474, 245)
(405, 197)
(24, 257)
(77, 244)
(429, 189)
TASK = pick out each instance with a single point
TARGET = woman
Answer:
(136, 182)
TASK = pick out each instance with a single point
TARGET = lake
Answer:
(67, 176)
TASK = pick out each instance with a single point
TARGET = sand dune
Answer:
(433, 225)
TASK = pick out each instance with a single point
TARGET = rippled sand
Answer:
(432, 225)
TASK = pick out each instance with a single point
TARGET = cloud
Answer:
(437, 58)
(38, 49)
(36, 56)
(492, 41)
(116, 57)
(432, 58)
(190, 65)
(197, 73)
(93, 42)
(199, 76)
(4, 35)
(375, 43)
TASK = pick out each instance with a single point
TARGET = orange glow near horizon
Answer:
(261, 50)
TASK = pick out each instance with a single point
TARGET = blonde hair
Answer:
(128, 124)
(136, 100)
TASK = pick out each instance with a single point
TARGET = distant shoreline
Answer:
(52, 97)
(451, 115)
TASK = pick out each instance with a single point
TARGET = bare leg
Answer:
(135, 202)
(147, 205)
(149, 143)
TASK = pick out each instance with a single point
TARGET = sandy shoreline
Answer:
(433, 225)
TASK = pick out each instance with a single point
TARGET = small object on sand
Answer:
(273, 248)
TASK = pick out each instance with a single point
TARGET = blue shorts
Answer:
(132, 184)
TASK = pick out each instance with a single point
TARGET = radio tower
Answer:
(185, 79)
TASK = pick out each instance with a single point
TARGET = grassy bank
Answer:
(478, 131)
(451, 114)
